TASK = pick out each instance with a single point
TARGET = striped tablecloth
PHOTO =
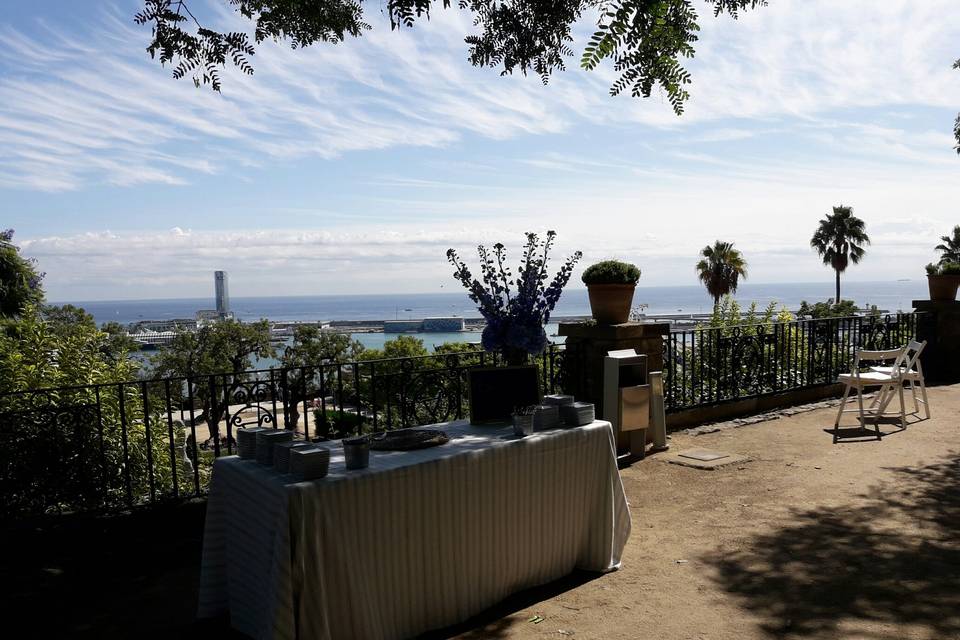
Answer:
(419, 540)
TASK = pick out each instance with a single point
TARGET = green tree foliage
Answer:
(311, 346)
(740, 354)
(20, 282)
(400, 347)
(212, 361)
(68, 320)
(728, 315)
(381, 377)
(43, 352)
(828, 309)
(449, 348)
(645, 39)
(69, 449)
(949, 247)
(406, 385)
(74, 435)
(118, 344)
(226, 346)
(720, 269)
(840, 241)
(310, 373)
(735, 354)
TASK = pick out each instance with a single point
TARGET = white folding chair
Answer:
(912, 373)
(888, 385)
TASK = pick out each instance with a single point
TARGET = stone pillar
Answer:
(939, 325)
(587, 345)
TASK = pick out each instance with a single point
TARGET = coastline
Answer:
(364, 310)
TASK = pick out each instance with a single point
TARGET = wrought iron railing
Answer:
(718, 364)
(119, 445)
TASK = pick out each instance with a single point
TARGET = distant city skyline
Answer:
(351, 168)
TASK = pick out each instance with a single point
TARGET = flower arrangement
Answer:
(515, 308)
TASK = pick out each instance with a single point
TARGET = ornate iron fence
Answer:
(116, 446)
(713, 365)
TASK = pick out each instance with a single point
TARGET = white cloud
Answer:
(91, 107)
(796, 107)
(110, 114)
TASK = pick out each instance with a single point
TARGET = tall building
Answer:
(220, 282)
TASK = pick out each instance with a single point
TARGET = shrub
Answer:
(330, 424)
(828, 309)
(611, 272)
(950, 269)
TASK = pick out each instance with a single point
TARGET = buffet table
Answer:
(418, 540)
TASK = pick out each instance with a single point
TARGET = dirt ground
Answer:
(808, 539)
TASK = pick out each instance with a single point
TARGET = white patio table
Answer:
(419, 540)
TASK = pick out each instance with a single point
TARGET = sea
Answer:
(888, 296)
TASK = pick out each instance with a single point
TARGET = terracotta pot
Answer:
(610, 303)
(943, 287)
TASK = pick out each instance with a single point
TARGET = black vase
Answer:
(514, 357)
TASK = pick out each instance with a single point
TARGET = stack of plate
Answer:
(308, 463)
(265, 441)
(281, 453)
(546, 417)
(558, 399)
(247, 442)
(577, 414)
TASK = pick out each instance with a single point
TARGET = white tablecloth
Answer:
(419, 540)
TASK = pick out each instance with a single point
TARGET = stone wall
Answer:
(588, 343)
(939, 325)
(749, 406)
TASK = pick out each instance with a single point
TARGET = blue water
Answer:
(892, 296)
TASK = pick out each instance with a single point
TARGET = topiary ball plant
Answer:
(610, 286)
(943, 280)
(611, 272)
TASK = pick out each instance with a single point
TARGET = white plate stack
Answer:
(281, 453)
(309, 463)
(265, 441)
(247, 442)
(558, 399)
(577, 414)
(546, 417)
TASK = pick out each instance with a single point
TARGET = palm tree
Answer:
(950, 249)
(839, 240)
(720, 269)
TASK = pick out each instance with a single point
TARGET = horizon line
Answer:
(463, 291)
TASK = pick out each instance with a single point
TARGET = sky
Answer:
(351, 168)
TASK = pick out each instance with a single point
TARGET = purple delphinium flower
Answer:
(515, 317)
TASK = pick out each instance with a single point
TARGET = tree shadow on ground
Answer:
(882, 566)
